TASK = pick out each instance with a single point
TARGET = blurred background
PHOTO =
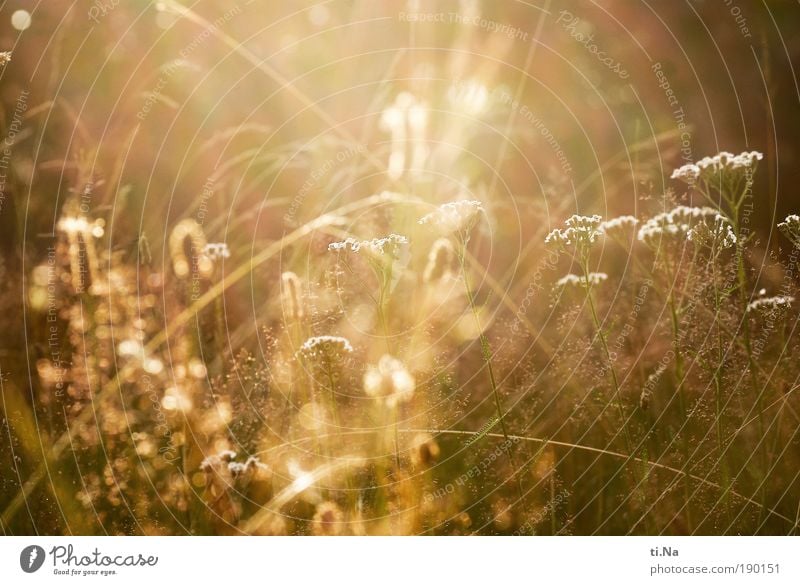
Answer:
(254, 117)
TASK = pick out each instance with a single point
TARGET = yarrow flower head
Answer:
(791, 229)
(594, 278)
(619, 228)
(377, 246)
(711, 168)
(688, 173)
(327, 347)
(390, 381)
(454, 216)
(717, 236)
(581, 231)
(672, 224)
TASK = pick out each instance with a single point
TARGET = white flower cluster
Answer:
(619, 228)
(453, 216)
(724, 162)
(676, 222)
(594, 278)
(581, 230)
(770, 304)
(375, 245)
(325, 346)
(791, 228)
(719, 236)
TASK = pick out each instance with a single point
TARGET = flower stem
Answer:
(486, 352)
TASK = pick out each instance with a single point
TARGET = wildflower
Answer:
(290, 296)
(620, 228)
(791, 228)
(594, 278)
(672, 224)
(454, 216)
(688, 173)
(217, 250)
(582, 231)
(440, 258)
(375, 245)
(325, 346)
(328, 520)
(389, 380)
(770, 305)
(711, 168)
(685, 215)
(719, 236)
(5, 58)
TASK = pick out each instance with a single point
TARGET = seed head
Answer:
(199, 261)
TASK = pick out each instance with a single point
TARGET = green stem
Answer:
(487, 358)
(718, 383)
